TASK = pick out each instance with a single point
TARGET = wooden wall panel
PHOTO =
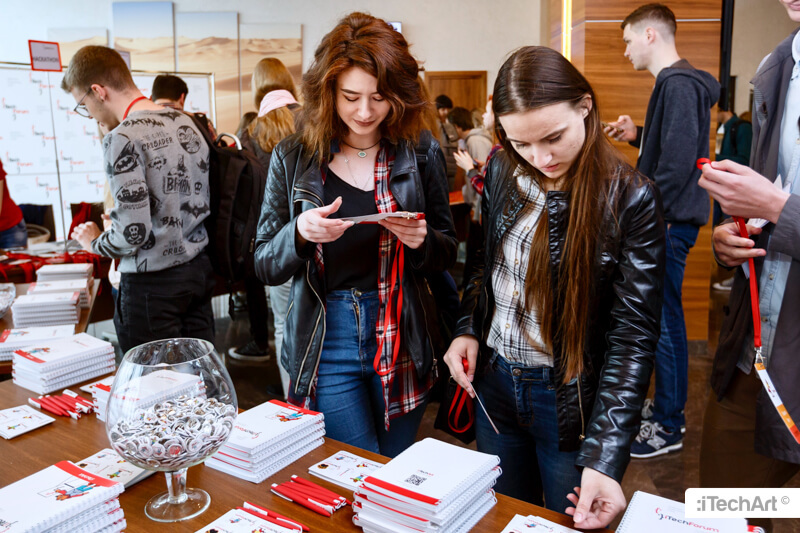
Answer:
(465, 88)
(683, 9)
(597, 49)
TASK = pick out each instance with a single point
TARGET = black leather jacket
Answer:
(598, 412)
(295, 185)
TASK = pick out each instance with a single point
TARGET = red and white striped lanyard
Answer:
(758, 364)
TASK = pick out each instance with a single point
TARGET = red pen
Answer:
(268, 518)
(73, 404)
(299, 499)
(317, 492)
(63, 404)
(277, 516)
(323, 490)
(308, 492)
(45, 407)
(78, 398)
(703, 161)
(67, 411)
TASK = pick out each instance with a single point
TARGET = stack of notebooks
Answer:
(100, 391)
(54, 309)
(62, 498)
(147, 390)
(430, 487)
(53, 365)
(13, 339)
(267, 438)
(81, 286)
(66, 271)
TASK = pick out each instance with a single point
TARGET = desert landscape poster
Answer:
(70, 40)
(209, 42)
(145, 29)
(256, 41)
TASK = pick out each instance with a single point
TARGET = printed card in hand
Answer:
(18, 420)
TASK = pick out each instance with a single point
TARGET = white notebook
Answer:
(431, 474)
(65, 271)
(50, 355)
(12, 339)
(51, 496)
(268, 423)
(18, 420)
(653, 514)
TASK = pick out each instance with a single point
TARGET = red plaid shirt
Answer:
(403, 391)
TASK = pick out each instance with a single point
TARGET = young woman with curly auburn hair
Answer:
(361, 329)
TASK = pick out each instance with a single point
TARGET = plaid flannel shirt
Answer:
(515, 333)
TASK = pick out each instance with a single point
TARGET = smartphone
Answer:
(607, 125)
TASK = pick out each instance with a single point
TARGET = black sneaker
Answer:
(647, 413)
(250, 352)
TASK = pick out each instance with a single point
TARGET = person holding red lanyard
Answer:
(749, 434)
(361, 330)
(13, 232)
(157, 164)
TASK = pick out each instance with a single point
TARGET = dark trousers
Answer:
(257, 311)
(727, 454)
(170, 303)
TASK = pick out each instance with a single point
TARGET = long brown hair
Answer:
(534, 77)
(271, 74)
(369, 43)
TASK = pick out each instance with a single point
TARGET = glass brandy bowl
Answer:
(171, 406)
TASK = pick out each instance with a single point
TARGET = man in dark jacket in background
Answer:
(675, 135)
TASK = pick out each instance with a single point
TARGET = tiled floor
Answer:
(668, 476)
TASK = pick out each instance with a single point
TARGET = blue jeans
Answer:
(672, 352)
(14, 237)
(522, 403)
(349, 391)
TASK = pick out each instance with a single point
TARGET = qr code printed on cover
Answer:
(415, 480)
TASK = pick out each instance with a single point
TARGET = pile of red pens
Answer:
(310, 495)
(68, 404)
(272, 516)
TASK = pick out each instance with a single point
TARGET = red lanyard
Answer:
(758, 364)
(131, 105)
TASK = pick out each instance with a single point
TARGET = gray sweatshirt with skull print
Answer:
(157, 166)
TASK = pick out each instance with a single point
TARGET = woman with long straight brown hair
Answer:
(561, 317)
(361, 329)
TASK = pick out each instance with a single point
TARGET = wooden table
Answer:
(7, 322)
(74, 440)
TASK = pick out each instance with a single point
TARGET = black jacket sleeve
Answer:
(632, 335)
(277, 257)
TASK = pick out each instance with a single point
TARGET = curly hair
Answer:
(363, 41)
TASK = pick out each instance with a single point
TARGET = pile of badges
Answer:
(173, 434)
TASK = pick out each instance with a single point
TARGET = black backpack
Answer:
(236, 180)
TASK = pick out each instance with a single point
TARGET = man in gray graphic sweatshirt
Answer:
(675, 135)
(157, 165)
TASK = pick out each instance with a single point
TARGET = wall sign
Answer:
(45, 56)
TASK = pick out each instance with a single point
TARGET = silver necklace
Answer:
(352, 176)
(362, 152)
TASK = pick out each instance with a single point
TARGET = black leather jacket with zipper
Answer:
(599, 411)
(294, 185)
